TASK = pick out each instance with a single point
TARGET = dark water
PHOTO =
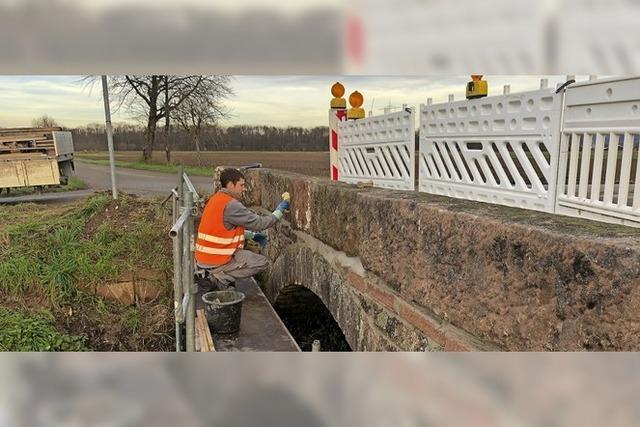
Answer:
(307, 318)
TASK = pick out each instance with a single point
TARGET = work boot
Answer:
(210, 284)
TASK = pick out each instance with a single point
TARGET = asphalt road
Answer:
(132, 181)
(135, 181)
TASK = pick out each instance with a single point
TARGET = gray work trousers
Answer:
(243, 264)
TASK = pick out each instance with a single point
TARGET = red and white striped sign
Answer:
(336, 115)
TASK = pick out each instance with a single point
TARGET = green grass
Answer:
(73, 184)
(59, 256)
(133, 319)
(157, 167)
(34, 332)
(51, 256)
(48, 256)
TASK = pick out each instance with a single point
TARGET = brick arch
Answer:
(298, 264)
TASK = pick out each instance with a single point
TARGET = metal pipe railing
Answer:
(177, 283)
(185, 205)
(190, 186)
(187, 281)
(180, 222)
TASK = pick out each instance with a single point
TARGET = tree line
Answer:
(211, 138)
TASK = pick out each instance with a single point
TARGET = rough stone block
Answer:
(508, 278)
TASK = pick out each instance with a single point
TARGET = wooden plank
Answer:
(208, 336)
(202, 327)
(8, 157)
(201, 343)
(208, 339)
(19, 149)
(198, 346)
(18, 138)
(4, 131)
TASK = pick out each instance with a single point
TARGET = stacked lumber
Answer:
(27, 141)
(204, 341)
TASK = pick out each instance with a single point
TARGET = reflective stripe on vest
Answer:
(215, 251)
(220, 240)
(215, 245)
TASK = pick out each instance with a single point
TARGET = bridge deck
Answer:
(260, 327)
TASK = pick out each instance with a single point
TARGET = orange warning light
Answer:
(356, 99)
(337, 90)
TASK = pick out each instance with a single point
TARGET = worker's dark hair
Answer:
(230, 175)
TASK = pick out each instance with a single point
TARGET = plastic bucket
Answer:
(223, 310)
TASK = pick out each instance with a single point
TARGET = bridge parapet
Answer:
(462, 275)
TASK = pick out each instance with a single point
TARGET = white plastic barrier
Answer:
(380, 149)
(599, 159)
(499, 149)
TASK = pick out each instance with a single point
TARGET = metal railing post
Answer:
(180, 186)
(177, 276)
(187, 265)
(184, 286)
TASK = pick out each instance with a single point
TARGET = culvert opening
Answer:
(308, 319)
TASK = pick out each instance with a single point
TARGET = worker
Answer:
(225, 225)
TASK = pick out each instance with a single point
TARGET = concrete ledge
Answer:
(515, 279)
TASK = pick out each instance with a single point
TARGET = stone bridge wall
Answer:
(412, 271)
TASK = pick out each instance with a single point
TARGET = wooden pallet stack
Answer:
(20, 143)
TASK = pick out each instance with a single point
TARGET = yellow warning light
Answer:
(337, 90)
(477, 88)
(356, 111)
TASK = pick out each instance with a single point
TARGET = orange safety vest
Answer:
(215, 245)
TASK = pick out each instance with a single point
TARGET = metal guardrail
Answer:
(185, 204)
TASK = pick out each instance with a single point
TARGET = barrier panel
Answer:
(499, 149)
(379, 149)
(599, 159)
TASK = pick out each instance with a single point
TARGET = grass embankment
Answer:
(52, 260)
(73, 184)
(157, 167)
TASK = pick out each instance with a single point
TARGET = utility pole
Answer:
(107, 115)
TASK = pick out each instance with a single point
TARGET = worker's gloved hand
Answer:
(261, 239)
(282, 206)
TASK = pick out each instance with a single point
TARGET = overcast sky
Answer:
(259, 100)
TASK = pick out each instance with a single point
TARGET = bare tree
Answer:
(44, 121)
(142, 96)
(167, 116)
(204, 108)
